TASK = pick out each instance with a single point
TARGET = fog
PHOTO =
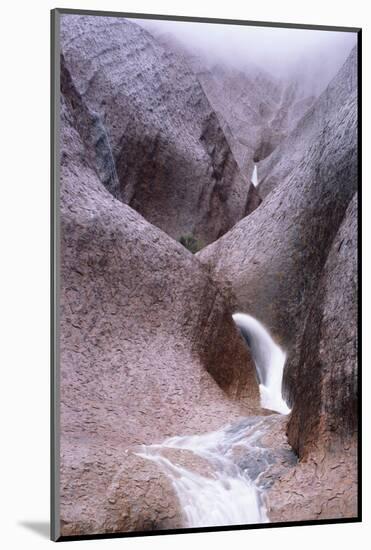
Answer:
(310, 56)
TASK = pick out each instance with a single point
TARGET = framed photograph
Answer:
(205, 274)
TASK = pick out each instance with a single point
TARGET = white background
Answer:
(24, 272)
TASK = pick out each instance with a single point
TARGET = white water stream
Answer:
(223, 488)
(269, 360)
(227, 492)
(254, 178)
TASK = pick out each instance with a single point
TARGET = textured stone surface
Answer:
(143, 355)
(273, 258)
(291, 266)
(325, 394)
(141, 497)
(323, 423)
(283, 163)
(91, 130)
(172, 160)
(322, 487)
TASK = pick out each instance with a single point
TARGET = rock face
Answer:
(325, 401)
(340, 93)
(141, 498)
(323, 424)
(171, 160)
(256, 111)
(321, 488)
(92, 132)
(142, 356)
(273, 259)
(292, 264)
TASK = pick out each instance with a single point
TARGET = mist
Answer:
(311, 57)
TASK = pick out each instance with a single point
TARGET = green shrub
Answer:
(191, 243)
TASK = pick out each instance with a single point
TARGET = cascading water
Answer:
(230, 495)
(230, 491)
(269, 360)
(254, 178)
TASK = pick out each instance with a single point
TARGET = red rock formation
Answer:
(325, 406)
(323, 424)
(172, 160)
(291, 266)
(147, 344)
(273, 258)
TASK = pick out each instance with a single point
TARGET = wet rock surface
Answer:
(272, 260)
(223, 477)
(325, 395)
(141, 498)
(270, 454)
(292, 264)
(322, 487)
(256, 122)
(315, 124)
(172, 160)
(255, 109)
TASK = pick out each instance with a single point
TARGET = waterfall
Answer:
(226, 485)
(269, 360)
(254, 178)
(230, 494)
